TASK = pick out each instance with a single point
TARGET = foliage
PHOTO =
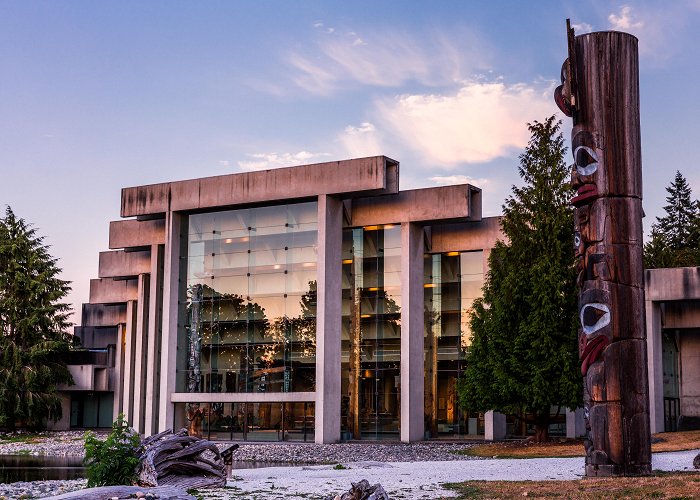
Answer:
(523, 359)
(675, 237)
(33, 324)
(113, 461)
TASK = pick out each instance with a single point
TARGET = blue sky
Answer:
(96, 96)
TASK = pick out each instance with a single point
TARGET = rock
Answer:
(696, 461)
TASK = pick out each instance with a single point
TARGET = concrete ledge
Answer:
(373, 175)
(103, 314)
(108, 291)
(438, 205)
(466, 236)
(121, 264)
(134, 233)
(242, 397)
(679, 283)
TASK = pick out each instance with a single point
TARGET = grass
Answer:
(21, 438)
(675, 485)
(665, 441)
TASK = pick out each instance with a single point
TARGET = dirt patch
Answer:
(662, 485)
(665, 441)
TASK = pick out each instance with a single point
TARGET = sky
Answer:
(96, 96)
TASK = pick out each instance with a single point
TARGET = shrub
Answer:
(113, 461)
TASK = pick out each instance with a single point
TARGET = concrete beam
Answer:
(679, 283)
(466, 236)
(438, 205)
(412, 332)
(103, 314)
(374, 175)
(109, 291)
(121, 264)
(246, 397)
(328, 319)
(681, 314)
(135, 233)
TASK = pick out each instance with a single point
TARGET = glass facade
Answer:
(452, 281)
(371, 333)
(251, 301)
(248, 421)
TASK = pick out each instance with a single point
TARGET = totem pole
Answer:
(600, 91)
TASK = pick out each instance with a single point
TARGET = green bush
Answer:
(113, 461)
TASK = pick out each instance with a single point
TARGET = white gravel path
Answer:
(414, 479)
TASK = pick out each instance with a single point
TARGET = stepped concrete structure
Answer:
(310, 303)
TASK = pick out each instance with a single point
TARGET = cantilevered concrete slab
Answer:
(373, 175)
(121, 264)
(437, 205)
(103, 314)
(109, 291)
(135, 233)
(477, 235)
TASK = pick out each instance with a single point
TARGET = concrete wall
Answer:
(64, 423)
(690, 372)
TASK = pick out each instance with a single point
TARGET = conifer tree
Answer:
(524, 356)
(675, 237)
(33, 324)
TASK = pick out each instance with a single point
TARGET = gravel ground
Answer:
(61, 444)
(414, 470)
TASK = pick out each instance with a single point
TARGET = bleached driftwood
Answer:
(176, 459)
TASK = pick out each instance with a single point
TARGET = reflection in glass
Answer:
(371, 335)
(251, 300)
(272, 421)
(451, 283)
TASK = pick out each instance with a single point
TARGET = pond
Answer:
(42, 468)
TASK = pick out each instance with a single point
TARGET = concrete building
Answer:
(315, 303)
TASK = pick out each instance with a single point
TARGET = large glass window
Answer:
(251, 300)
(452, 281)
(270, 421)
(371, 334)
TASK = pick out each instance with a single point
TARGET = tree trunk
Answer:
(541, 432)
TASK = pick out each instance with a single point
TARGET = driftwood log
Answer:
(362, 491)
(180, 460)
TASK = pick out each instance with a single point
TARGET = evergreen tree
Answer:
(33, 324)
(524, 356)
(676, 236)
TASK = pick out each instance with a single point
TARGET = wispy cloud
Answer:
(625, 20)
(363, 140)
(264, 161)
(446, 180)
(387, 59)
(479, 123)
(659, 27)
(581, 28)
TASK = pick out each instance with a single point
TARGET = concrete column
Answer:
(128, 366)
(328, 318)
(655, 366)
(155, 310)
(118, 373)
(140, 357)
(494, 426)
(412, 329)
(575, 424)
(171, 296)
